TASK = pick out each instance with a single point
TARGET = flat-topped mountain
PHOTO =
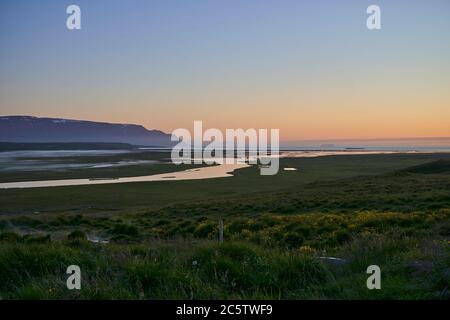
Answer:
(34, 129)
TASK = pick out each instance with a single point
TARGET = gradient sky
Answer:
(310, 68)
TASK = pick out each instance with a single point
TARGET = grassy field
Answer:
(389, 210)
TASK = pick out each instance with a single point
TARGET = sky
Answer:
(309, 68)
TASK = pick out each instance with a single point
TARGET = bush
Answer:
(10, 237)
(206, 230)
(125, 230)
(3, 224)
(37, 239)
(293, 239)
(76, 235)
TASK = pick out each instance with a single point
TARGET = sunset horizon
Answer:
(291, 140)
(323, 76)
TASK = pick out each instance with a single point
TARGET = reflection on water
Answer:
(313, 154)
(58, 153)
(58, 160)
(217, 171)
(42, 165)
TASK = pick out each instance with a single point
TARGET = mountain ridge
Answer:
(31, 129)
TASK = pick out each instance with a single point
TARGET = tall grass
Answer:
(204, 270)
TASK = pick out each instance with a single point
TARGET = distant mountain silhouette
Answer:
(33, 129)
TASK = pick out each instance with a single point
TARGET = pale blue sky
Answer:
(287, 64)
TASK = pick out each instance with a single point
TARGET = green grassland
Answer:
(389, 210)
